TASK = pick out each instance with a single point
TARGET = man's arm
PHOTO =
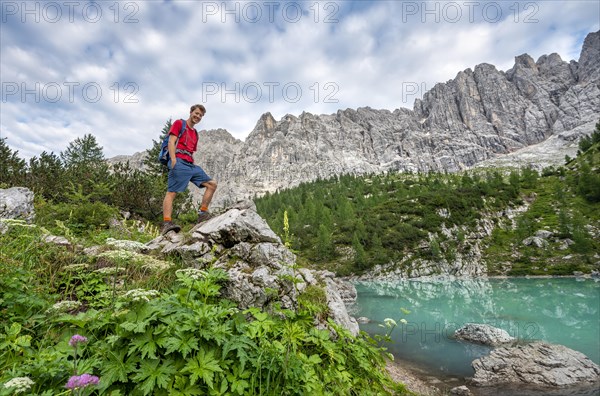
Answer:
(172, 140)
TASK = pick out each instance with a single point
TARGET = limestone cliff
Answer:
(482, 114)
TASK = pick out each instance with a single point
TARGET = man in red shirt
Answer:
(182, 169)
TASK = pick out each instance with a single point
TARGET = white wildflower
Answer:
(403, 321)
(110, 270)
(64, 306)
(152, 264)
(132, 246)
(389, 322)
(140, 295)
(21, 384)
(117, 255)
(192, 273)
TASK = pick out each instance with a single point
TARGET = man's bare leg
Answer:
(168, 224)
(211, 187)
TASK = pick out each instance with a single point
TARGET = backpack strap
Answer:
(183, 126)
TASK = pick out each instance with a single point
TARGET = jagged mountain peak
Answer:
(538, 108)
(589, 59)
(481, 114)
(219, 134)
(526, 61)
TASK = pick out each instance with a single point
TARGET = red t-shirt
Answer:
(187, 141)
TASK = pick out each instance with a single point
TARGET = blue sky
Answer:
(121, 69)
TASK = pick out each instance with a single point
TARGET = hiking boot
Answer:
(169, 226)
(203, 216)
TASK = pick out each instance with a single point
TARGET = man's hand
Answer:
(172, 140)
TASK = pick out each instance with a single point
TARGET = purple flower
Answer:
(81, 381)
(76, 339)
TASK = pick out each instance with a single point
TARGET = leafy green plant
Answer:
(181, 339)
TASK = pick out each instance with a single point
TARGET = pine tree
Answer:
(377, 251)
(529, 177)
(151, 160)
(86, 167)
(345, 214)
(45, 176)
(12, 168)
(83, 152)
(588, 183)
(514, 179)
(360, 257)
(149, 191)
(324, 246)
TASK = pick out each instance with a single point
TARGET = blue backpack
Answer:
(163, 156)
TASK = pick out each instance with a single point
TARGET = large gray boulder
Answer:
(483, 334)
(337, 308)
(235, 226)
(16, 203)
(262, 270)
(537, 364)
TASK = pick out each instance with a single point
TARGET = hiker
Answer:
(182, 169)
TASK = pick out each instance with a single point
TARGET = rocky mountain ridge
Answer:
(532, 114)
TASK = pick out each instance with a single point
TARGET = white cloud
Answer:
(381, 54)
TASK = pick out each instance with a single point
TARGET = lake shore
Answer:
(414, 380)
(422, 382)
(355, 280)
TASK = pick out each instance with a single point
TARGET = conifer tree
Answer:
(12, 168)
(151, 160)
(324, 246)
(360, 257)
(86, 167)
(345, 213)
(46, 175)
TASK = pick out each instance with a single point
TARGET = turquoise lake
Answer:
(557, 310)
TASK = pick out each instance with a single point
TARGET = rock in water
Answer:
(536, 364)
(483, 334)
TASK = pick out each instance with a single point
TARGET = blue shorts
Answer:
(183, 173)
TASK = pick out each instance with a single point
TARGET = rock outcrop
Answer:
(16, 203)
(261, 270)
(483, 334)
(538, 364)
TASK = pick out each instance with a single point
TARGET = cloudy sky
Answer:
(120, 69)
